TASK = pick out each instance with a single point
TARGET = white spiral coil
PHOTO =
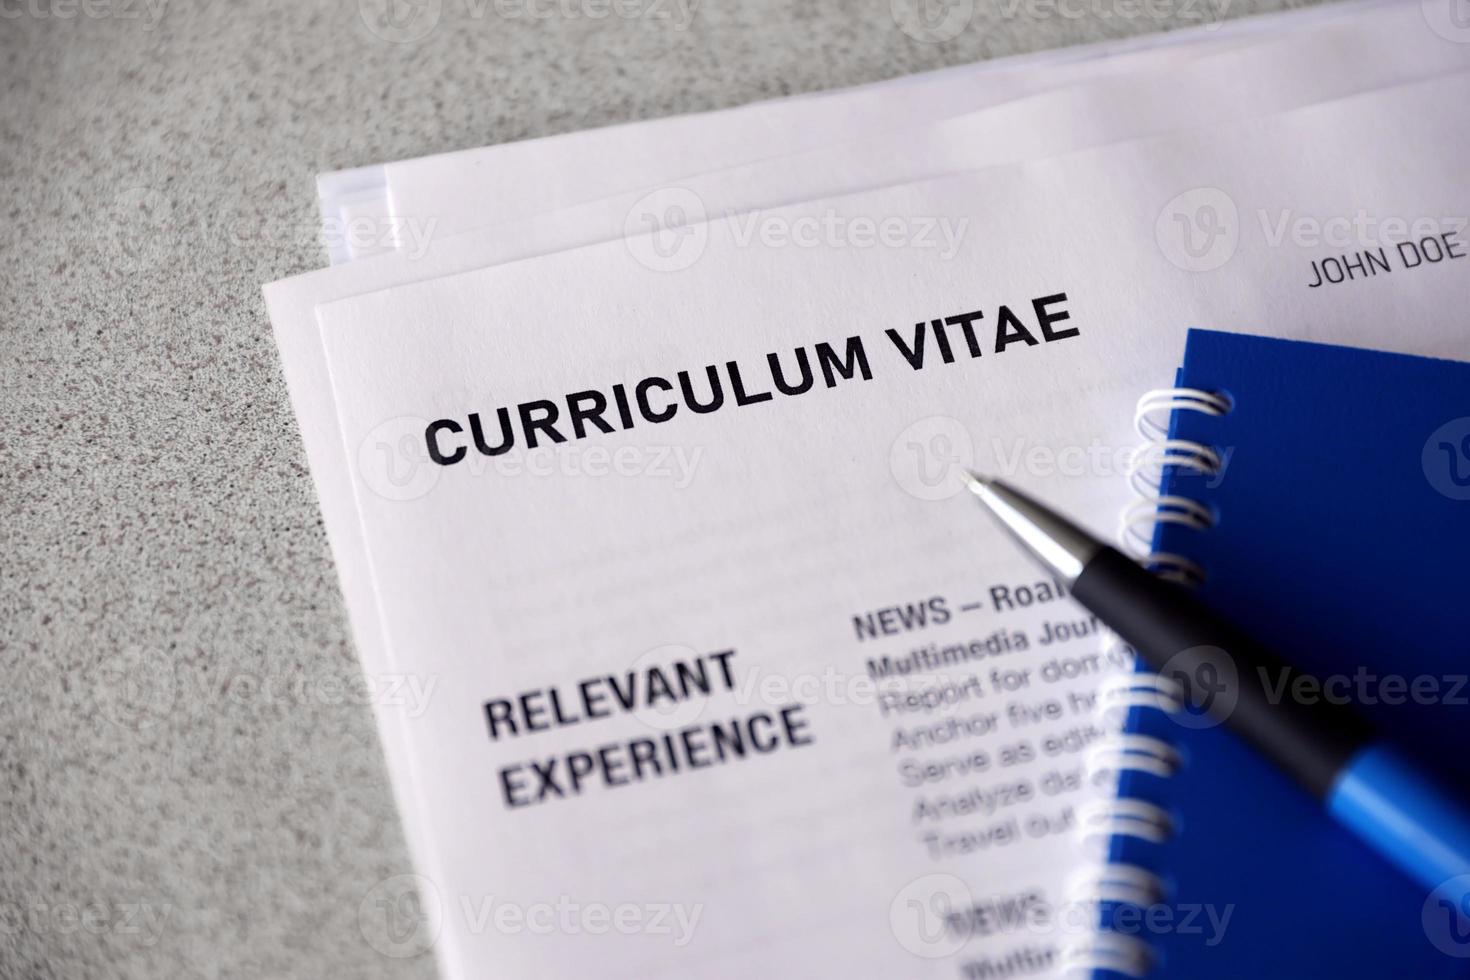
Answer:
(1113, 951)
(1121, 751)
(1117, 883)
(1146, 469)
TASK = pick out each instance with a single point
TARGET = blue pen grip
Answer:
(1384, 799)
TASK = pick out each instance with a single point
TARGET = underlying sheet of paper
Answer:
(1384, 47)
(459, 191)
(801, 518)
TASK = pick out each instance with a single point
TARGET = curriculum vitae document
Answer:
(731, 678)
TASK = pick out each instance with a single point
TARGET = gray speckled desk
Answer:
(188, 786)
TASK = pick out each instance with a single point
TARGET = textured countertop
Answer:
(189, 784)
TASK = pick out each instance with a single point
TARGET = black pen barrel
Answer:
(1222, 671)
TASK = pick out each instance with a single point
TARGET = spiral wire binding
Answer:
(1118, 882)
(1120, 692)
(1114, 951)
(1121, 751)
(1146, 470)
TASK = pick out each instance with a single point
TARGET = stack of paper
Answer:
(638, 450)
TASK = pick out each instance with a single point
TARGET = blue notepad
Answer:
(1341, 538)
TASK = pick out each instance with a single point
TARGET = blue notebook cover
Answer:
(1341, 538)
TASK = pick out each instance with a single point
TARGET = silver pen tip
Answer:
(1060, 545)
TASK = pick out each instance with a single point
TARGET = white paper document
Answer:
(729, 677)
(1324, 60)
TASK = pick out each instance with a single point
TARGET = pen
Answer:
(1377, 793)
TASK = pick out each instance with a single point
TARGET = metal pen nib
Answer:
(1059, 544)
